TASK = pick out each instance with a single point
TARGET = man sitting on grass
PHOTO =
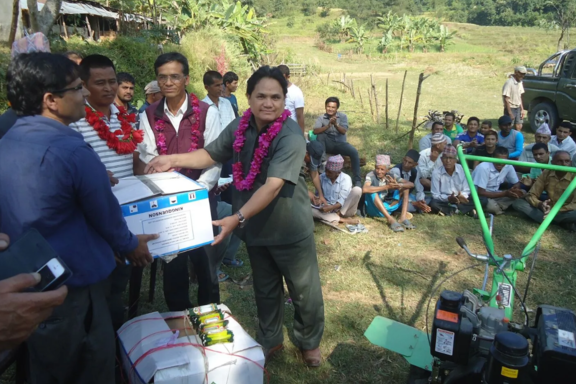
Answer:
(379, 202)
(563, 140)
(342, 199)
(541, 155)
(426, 141)
(488, 177)
(555, 183)
(489, 147)
(485, 127)
(542, 135)
(510, 138)
(450, 129)
(450, 190)
(408, 170)
(470, 139)
(430, 159)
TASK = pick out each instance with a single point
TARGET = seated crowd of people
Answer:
(433, 180)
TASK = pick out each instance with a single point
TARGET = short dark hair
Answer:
(270, 72)
(125, 77)
(487, 122)
(31, 75)
(491, 133)
(229, 77)
(450, 114)
(210, 77)
(538, 146)
(436, 123)
(73, 54)
(474, 118)
(284, 69)
(94, 61)
(566, 124)
(332, 99)
(501, 151)
(169, 57)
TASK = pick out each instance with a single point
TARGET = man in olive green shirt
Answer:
(272, 216)
(555, 183)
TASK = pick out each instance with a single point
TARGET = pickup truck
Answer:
(550, 92)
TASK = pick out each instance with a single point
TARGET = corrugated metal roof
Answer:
(86, 9)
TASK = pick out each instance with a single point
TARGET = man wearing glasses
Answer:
(450, 191)
(177, 124)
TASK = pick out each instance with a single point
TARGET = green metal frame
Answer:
(517, 264)
(412, 343)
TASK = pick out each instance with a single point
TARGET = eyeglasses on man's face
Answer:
(175, 78)
(64, 90)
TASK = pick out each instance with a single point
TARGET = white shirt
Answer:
(120, 165)
(528, 156)
(218, 117)
(485, 176)
(337, 192)
(294, 100)
(567, 144)
(444, 185)
(426, 165)
(514, 90)
(210, 175)
(418, 188)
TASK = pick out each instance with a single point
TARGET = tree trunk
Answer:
(44, 20)
(559, 47)
(14, 25)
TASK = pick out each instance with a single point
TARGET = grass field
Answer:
(387, 274)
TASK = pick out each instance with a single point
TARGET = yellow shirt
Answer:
(548, 181)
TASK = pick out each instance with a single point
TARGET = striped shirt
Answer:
(120, 165)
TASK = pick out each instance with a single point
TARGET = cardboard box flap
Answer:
(136, 188)
(150, 332)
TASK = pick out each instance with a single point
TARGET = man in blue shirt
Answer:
(509, 138)
(54, 182)
(470, 139)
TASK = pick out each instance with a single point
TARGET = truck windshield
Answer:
(552, 66)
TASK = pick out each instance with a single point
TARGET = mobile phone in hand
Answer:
(49, 275)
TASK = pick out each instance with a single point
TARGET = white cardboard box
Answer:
(169, 204)
(152, 351)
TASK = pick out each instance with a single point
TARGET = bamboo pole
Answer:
(344, 80)
(65, 28)
(415, 118)
(328, 79)
(376, 103)
(352, 89)
(361, 101)
(386, 103)
(370, 99)
(401, 97)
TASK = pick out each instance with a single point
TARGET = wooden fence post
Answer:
(352, 89)
(370, 99)
(401, 97)
(415, 118)
(386, 103)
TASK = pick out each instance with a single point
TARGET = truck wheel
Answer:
(543, 113)
(418, 375)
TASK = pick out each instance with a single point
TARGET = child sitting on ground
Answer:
(378, 199)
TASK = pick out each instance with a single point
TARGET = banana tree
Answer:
(444, 37)
(242, 22)
(358, 36)
(388, 22)
(385, 42)
(344, 24)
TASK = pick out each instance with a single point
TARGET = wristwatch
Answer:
(241, 219)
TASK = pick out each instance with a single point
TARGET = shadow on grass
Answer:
(399, 281)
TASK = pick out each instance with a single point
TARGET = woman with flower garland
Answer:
(272, 208)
